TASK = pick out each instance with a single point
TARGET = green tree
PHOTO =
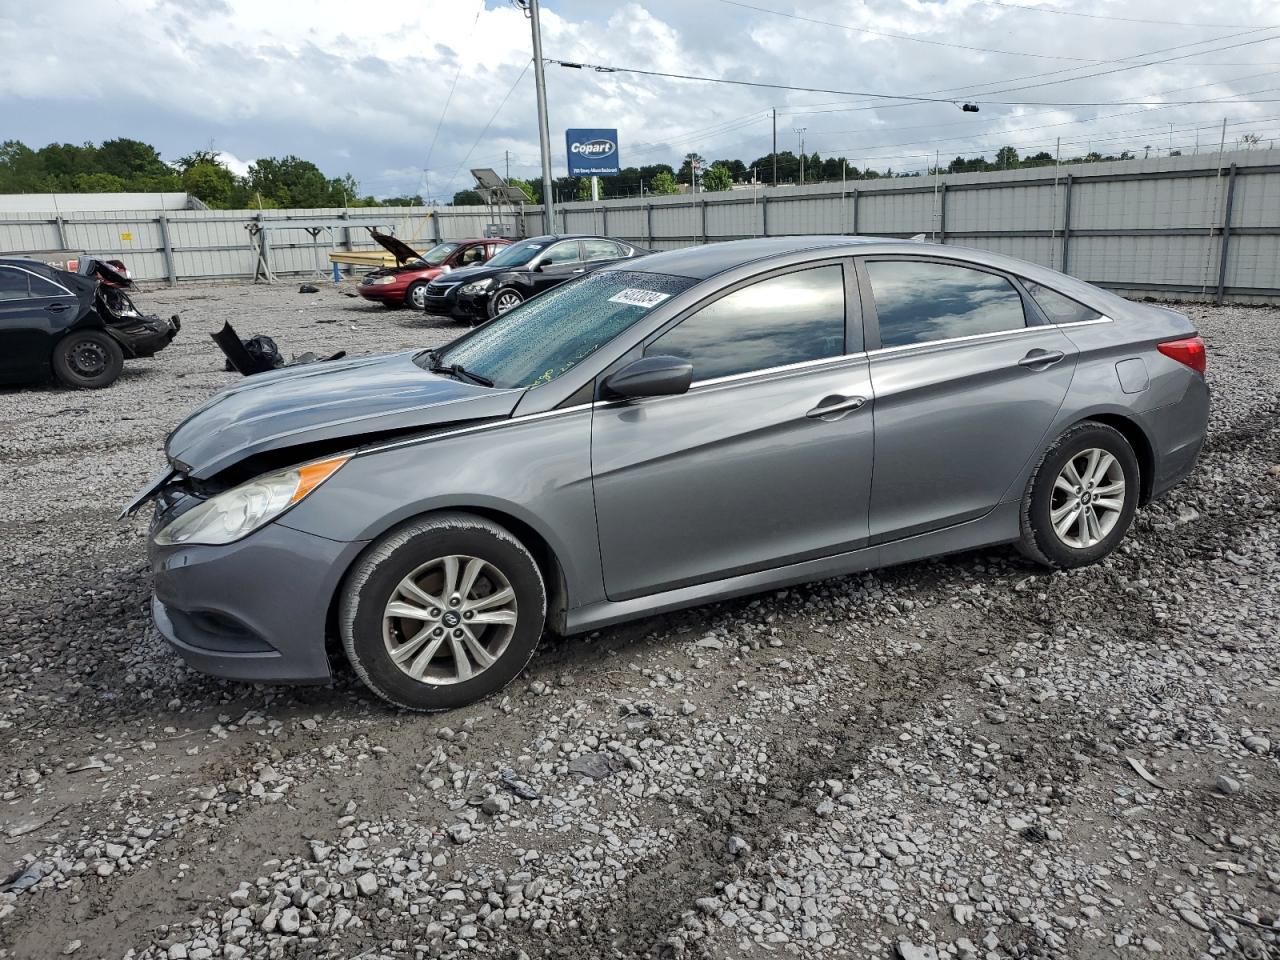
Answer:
(583, 191)
(1007, 158)
(211, 182)
(468, 198)
(131, 160)
(97, 183)
(293, 182)
(717, 178)
(663, 184)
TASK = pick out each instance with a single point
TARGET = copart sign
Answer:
(592, 153)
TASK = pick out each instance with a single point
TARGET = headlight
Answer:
(241, 510)
(478, 286)
(380, 280)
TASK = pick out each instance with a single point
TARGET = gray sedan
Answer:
(689, 426)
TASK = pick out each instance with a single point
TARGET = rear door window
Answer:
(600, 250)
(40, 287)
(1058, 307)
(773, 323)
(13, 284)
(918, 301)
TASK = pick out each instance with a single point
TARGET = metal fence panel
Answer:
(1152, 226)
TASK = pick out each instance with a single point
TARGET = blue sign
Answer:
(592, 153)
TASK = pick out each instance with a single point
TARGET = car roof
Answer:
(35, 266)
(712, 258)
(550, 237)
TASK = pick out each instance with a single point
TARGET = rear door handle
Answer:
(834, 406)
(581, 270)
(1040, 359)
(56, 307)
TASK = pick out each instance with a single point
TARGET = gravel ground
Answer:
(958, 758)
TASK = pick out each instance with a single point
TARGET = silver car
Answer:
(689, 426)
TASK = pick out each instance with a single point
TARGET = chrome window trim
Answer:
(785, 368)
(32, 273)
(717, 381)
(995, 334)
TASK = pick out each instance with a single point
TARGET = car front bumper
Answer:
(255, 610)
(382, 292)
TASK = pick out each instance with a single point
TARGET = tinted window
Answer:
(786, 319)
(917, 302)
(13, 284)
(472, 255)
(600, 250)
(1060, 309)
(566, 252)
(41, 287)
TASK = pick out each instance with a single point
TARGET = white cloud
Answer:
(364, 93)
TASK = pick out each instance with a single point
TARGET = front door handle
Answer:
(581, 270)
(834, 407)
(55, 308)
(1041, 359)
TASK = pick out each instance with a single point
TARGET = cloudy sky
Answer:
(363, 88)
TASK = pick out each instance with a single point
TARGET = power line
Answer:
(599, 68)
(900, 36)
(489, 123)
(911, 39)
(447, 100)
(1098, 16)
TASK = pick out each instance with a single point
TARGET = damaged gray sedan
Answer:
(689, 426)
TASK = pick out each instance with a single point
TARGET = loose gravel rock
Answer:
(961, 758)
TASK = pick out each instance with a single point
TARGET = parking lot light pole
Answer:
(544, 131)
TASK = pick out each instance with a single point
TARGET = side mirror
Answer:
(539, 267)
(650, 377)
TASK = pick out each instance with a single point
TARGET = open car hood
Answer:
(395, 246)
(341, 404)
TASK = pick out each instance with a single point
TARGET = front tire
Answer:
(1081, 498)
(416, 296)
(87, 359)
(504, 300)
(442, 611)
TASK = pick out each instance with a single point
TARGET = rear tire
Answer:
(442, 611)
(87, 360)
(1081, 498)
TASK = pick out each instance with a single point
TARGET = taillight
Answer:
(1188, 350)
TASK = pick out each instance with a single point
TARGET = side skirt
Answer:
(998, 526)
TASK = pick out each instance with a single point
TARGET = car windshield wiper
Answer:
(456, 370)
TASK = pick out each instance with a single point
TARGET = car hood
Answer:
(395, 246)
(481, 272)
(323, 402)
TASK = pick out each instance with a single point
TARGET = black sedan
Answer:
(519, 272)
(79, 327)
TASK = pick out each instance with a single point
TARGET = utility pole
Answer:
(800, 134)
(544, 132)
(775, 146)
(507, 157)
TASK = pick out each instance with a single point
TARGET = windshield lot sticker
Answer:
(635, 297)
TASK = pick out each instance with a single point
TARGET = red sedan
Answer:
(405, 283)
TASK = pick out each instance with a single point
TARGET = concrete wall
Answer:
(1196, 226)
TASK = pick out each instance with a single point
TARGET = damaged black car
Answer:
(79, 327)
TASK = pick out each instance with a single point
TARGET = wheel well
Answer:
(1141, 448)
(543, 555)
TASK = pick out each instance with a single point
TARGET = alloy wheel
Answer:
(1088, 498)
(506, 301)
(450, 620)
